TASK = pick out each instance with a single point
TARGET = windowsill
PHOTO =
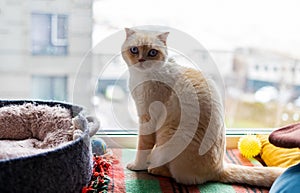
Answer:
(124, 139)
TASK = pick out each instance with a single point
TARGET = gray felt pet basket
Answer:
(64, 169)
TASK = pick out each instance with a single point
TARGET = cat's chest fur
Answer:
(168, 74)
(153, 85)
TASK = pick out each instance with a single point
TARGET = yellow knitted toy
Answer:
(249, 146)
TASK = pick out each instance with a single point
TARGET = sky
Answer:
(216, 24)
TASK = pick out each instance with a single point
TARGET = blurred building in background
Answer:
(254, 68)
(41, 46)
(45, 53)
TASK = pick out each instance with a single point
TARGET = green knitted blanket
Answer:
(124, 180)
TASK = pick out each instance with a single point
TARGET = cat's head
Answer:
(144, 49)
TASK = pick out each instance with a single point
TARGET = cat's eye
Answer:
(152, 53)
(134, 50)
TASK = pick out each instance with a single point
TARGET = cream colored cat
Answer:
(181, 133)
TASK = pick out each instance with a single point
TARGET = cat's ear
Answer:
(129, 32)
(163, 37)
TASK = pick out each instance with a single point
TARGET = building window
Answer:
(49, 87)
(49, 34)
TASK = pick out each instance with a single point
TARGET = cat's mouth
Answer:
(147, 65)
(142, 65)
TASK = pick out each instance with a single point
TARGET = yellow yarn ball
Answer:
(249, 146)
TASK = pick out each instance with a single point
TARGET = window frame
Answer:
(119, 139)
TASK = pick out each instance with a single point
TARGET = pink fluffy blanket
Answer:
(30, 129)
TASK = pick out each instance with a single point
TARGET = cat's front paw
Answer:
(137, 166)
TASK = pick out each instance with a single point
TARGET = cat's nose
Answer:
(142, 60)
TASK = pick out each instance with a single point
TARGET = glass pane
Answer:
(49, 34)
(59, 88)
(40, 32)
(258, 61)
(262, 90)
(49, 88)
(62, 27)
(43, 44)
(42, 47)
(41, 88)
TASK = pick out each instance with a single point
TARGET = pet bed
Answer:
(124, 180)
(44, 147)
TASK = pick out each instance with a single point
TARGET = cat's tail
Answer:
(256, 176)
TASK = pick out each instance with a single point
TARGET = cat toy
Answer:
(98, 146)
(249, 146)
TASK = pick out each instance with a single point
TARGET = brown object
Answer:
(287, 136)
(30, 129)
